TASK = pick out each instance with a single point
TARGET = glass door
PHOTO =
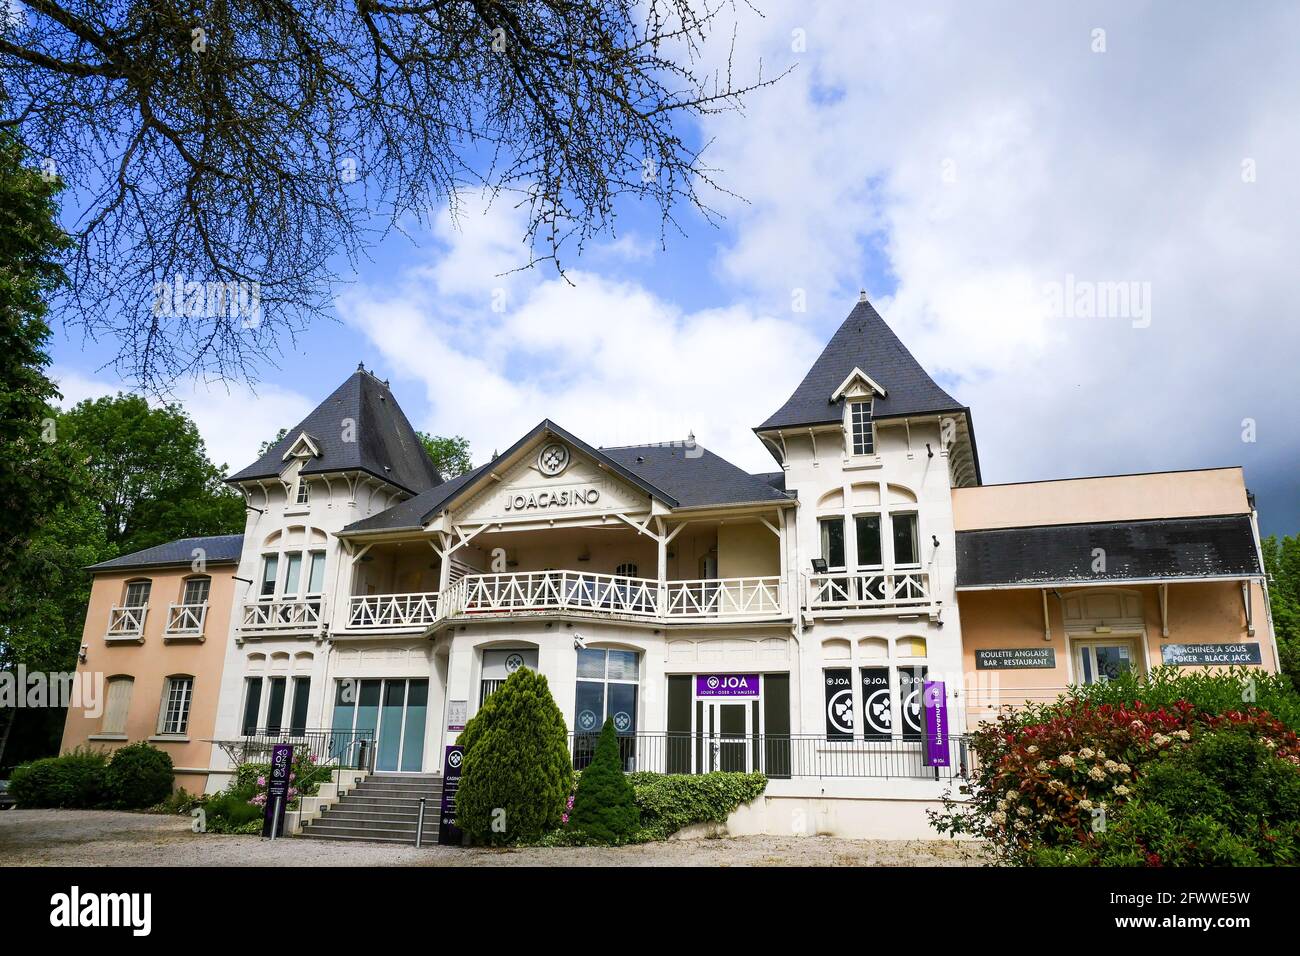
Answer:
(394, 711)
(1096, 662)
(728, 729)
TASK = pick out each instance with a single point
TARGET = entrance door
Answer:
(1096, 662)
(728, 727)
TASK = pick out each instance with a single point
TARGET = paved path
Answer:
(109, 838)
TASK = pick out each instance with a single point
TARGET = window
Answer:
(906, 550)
(316, 573)
(275, 705)
(137, 594)
(175, 715)
(864, 442)
(303, 493)
(868, 529)
(270, 564)
(196, 591)
(292, 573)
(628, 570)
(833, 542)
(252, 704)
(301, 695)
(117, 705)
(606, 688)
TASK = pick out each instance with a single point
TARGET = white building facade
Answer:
(787, 622)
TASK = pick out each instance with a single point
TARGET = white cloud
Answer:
(998, 153)
(973, 154)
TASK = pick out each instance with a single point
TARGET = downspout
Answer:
(1263, 581)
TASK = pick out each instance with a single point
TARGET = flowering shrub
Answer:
(1050, 776)
(305, 778)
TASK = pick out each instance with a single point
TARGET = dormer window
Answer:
(302, 493)
(861, 430)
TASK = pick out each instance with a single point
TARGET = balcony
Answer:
(126, 623)
(185, 621)
(870, 592)
(540, 592)
(392, 612)
(283, 616)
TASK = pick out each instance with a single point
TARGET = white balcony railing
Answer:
(127, 622)
(724, 598)
(373, 611)
(867, 590)
(186, 620)
(284, 614)
(554, 591)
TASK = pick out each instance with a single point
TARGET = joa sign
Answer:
(726, 685)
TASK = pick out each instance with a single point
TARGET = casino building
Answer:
(835, 623)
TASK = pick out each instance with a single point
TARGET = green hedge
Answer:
(670, 802)
(77, 780)
(131, 778)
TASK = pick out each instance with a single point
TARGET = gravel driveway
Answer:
(108, 838)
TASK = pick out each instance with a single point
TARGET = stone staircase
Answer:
(382, 808)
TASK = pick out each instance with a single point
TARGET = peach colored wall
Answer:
(1170, 494)
(1208, 612)
(151, 662)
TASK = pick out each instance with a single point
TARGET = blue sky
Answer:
(958, 161)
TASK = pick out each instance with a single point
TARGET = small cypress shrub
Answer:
(139, 775)
(517, 772)
(604, 808)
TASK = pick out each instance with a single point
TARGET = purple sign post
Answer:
(448, 833)
(726, 685)
(935, 698)
(277, 790)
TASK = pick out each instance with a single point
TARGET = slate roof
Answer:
(385, 445)
(864, 341)
(415, 512)
(679, 475)
(694, 475)
(1160, 549)
(219, 549)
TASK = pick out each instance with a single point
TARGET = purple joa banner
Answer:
(277, 790)
(726, 685)
(935, 698)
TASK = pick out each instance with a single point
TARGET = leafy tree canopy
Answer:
(31, 243)
(450, 455)
(148, 472)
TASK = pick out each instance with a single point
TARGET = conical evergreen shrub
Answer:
(604, 808)
(517, 771)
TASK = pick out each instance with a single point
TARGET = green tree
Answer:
(604, 808)
(1282, 564)
(268, 445)
(517, 773)
(450, 455)
(32, 242)
(148, 471)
